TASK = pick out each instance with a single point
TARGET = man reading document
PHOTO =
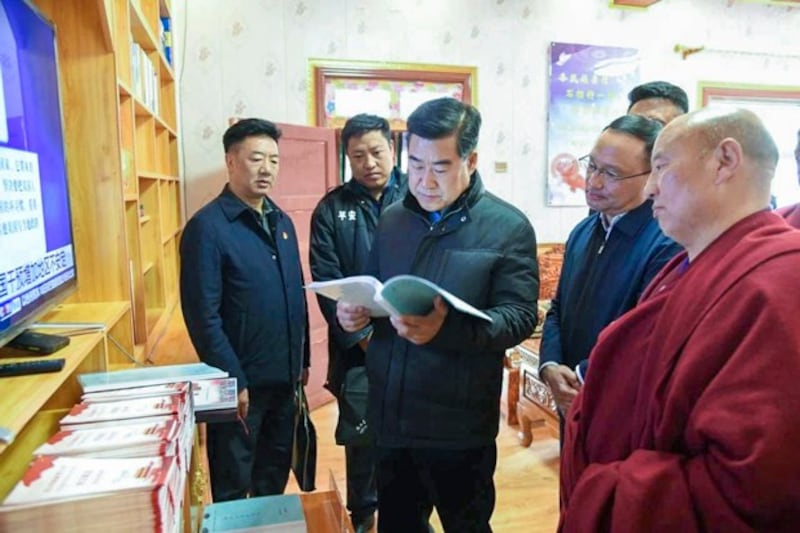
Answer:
(434, 380)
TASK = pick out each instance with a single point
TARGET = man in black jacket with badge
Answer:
(342, 229)
(245, 309)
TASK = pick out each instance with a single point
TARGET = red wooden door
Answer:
(309, 168)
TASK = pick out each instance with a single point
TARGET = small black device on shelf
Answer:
(38, 343)
(37, 366)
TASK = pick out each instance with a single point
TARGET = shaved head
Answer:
(712, 126)
(711, 168)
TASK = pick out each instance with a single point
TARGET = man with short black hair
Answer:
(658, 100)
(245, 309)
(342, 229)
(435, 379)
(610, 256)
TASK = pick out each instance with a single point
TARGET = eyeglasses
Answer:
(589, 168)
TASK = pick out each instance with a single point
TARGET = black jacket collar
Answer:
(233, 206)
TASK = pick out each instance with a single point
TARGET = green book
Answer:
(399, 295)
(275, 514)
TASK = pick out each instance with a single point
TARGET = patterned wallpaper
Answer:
(249, 58)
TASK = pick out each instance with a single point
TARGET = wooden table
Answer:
(509, 395)
(536, 406)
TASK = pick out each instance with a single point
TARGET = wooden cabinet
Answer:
(31, 406)
(509, 393)
(536, 406)
(119, 100)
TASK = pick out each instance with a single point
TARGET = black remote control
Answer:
(37, 366)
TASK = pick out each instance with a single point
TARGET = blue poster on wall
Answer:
(588, 89)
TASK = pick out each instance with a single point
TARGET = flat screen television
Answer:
(37, 252)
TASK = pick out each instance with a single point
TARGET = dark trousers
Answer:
(362, 493)
(255, 461)
(459, 483)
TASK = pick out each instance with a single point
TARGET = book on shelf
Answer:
(275, 514)
(147, 410)
(399, 295)
(215, 394)
(150, 439)
(207, 394)
(147, 391)
(166, 38)
(117, 411)
(149, 375)
(76, 494)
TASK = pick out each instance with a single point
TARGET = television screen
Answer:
(37, 256)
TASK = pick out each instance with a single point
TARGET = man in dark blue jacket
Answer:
(610, 256)
(342, 229)
(244, 306)
(435, 379)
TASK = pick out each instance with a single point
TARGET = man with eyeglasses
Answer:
(610, 256)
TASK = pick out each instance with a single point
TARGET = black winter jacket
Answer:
(342, 229)
(242, 295)
(446, 393)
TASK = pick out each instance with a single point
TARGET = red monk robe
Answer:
(792, 214)
(690, 417)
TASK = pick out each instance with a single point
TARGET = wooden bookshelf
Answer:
(121, 135)
(125, 195)
(122, 153)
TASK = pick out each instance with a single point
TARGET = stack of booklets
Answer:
(113, 466)
(76, 494)
(207, 394)
(115, 421)
(148, 439)
(212, 389)
(120, 459)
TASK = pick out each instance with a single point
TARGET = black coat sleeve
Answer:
(326, 264)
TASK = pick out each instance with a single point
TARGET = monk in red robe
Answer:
(792, 212)
(690, 417)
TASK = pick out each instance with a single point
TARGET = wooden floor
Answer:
(526, 478)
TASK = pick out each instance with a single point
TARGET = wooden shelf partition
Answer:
(154, 264)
